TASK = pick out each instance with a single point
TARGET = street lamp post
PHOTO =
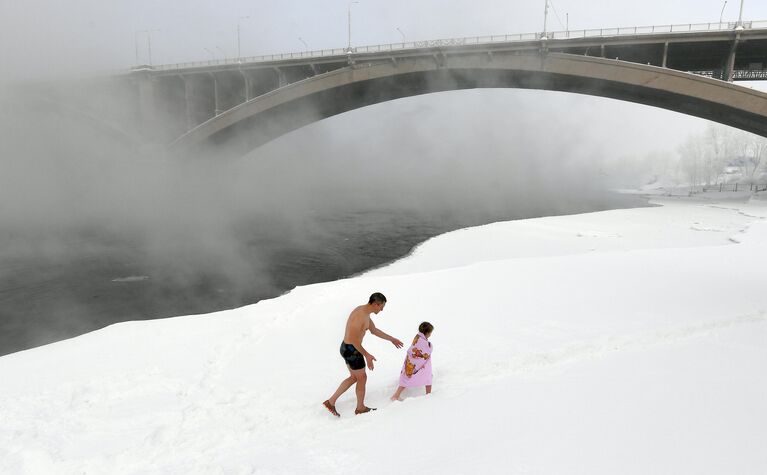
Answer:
(135, 42)
(239, 49)
(304, 42)
(740, 15)
(403, 35)
(722, 13)
(148, 44)
(349, 16)
(222, 51)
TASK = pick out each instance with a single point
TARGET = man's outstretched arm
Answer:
(380, 334)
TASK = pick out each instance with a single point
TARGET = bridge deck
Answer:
(588, 37)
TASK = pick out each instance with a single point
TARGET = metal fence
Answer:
(750, 74)
(738, 74)
(474, 40)
(754, 187)
(720, 188)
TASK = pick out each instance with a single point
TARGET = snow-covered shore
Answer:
(625, 341)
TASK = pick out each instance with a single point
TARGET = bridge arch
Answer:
(264, 118)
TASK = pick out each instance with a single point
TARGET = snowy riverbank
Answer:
(625, 341)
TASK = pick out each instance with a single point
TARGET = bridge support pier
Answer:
(729, 69)
(188, 96)
(665, 54)
(246, 81)
(146, 100)
(216, 102)
(200, 98)
(282, 79)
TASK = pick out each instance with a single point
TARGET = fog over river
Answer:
(92, 233)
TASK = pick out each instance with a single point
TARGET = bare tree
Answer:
(718, 143)
(691, 154)
(757, 149)
(750, 150)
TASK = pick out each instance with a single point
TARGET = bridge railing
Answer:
(647, 30)
(756, 74)
(474, 40)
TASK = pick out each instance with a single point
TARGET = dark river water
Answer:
(107, 277)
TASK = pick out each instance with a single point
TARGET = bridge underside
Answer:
(271, 115)
(708, 57)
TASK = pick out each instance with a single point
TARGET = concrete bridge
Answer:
(245, 102)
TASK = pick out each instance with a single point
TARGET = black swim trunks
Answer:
(353, 358)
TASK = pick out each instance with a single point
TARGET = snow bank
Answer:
(628, 341)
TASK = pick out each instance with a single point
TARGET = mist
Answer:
(94, 229)
(206, 233)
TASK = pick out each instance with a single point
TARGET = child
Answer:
(416, 371)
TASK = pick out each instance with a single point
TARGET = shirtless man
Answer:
(355, 355)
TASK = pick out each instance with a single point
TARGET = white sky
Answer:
(102, 33)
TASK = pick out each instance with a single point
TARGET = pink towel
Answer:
(416, 371)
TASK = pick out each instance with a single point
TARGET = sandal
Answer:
(367, 409)
(331, 408)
